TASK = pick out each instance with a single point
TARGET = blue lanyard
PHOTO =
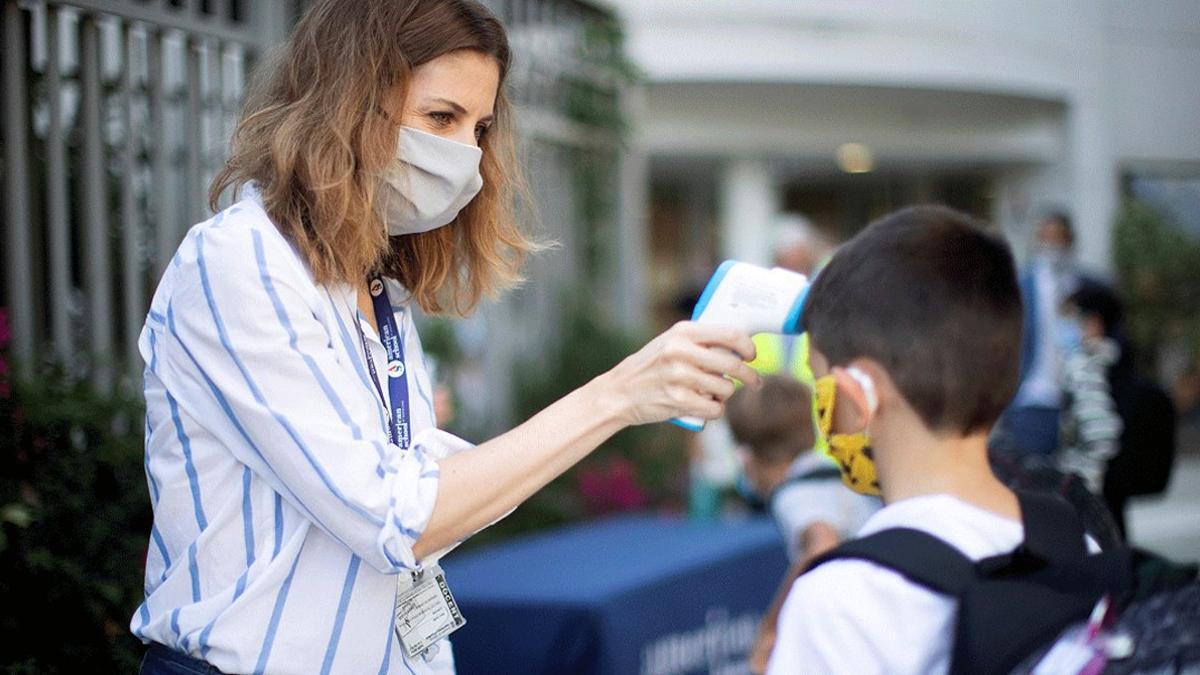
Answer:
(389, 335)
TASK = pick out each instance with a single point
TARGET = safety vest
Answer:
(788, 354)
(783, 354)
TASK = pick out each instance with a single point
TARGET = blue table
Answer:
(630, 594)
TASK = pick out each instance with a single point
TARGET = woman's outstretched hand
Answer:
(681, 373)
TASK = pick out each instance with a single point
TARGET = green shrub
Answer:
(74, 522)
(1159, 267)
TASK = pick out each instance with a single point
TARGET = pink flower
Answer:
(612, 487)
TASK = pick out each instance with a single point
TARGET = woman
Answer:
(300, 490)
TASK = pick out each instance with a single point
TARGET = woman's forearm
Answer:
(479, 485)
(679, 373)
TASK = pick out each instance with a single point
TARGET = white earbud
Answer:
(868, 387)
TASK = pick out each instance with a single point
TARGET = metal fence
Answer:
(115, 114)
(118, 112)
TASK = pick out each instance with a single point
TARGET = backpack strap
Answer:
(919, 556)
(1053, 530)
(1053, 533)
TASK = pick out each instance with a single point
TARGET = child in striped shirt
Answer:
(1090, 431)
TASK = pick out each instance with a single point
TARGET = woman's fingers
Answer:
(721, 362)
(684, 372)
(690, 403)
(713, 386)
(697, 376)
(716, 354)
(709, 335)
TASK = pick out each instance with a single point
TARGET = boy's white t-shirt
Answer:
(853, 616)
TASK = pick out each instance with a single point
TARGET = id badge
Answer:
(426, 612)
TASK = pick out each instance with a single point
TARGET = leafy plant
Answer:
(593, 94)
(74, 518)
(641, 467)
(1159, 267)
(593, 99)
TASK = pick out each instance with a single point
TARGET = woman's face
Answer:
(453, 96)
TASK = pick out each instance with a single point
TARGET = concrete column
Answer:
(749, 201)
(1094, 180)
(1091, 151)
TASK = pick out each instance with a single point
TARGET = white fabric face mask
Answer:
(429, 182)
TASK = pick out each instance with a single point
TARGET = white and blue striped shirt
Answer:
(282, 514)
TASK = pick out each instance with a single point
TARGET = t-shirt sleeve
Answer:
(797, 506)
(852, 616)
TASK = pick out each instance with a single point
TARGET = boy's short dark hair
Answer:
(933, 297)
(775, 422)
(1093, 298)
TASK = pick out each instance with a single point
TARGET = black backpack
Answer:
(1012, 604)
(1143, 463)
(1038, 473)
(1159, 633)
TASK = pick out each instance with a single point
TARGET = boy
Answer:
(800, 486)
(1090, 429)
(915, 329)
(1146, 445)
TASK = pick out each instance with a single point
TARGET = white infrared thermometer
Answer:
(753, 299)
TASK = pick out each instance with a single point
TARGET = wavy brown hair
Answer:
(313, 142)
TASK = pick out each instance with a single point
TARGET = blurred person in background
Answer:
(801, 486)
(1146, 445)
(1031, 423)
(799, 247)
(1090, 426)
(301, 491)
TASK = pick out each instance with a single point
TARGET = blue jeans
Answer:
(1030, 431)
(161, 660)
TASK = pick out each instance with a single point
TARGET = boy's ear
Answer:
(856, 400)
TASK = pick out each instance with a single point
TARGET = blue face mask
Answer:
(1069, 334)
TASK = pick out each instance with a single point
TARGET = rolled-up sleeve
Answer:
(246, 338)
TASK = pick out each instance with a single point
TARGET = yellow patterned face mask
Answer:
(852, 452)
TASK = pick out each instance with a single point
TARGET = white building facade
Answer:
(1001, 107)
